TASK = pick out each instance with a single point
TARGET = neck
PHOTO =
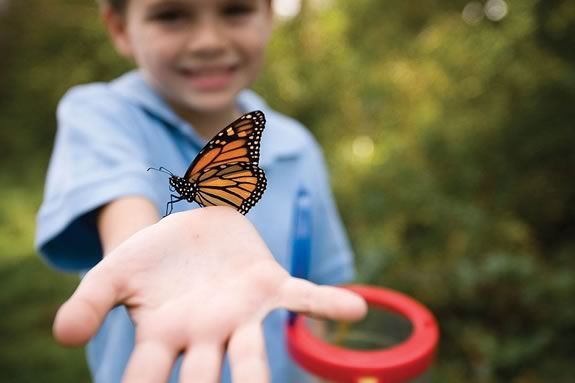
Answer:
(209, 123)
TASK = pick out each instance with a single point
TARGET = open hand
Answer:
(201, 283)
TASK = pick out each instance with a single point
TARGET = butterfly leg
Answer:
(170, 205)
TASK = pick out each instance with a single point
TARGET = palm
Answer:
(188, 290)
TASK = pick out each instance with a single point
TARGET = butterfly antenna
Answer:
(162, 170)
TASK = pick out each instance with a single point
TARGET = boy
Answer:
(200, 282)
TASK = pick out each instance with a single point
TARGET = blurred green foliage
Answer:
(451, 145)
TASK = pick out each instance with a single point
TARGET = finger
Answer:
(79, 318)
(324, 301)
(202, 364)
(247, 354)
(150, 362)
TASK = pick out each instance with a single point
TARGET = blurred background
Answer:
(448, 126)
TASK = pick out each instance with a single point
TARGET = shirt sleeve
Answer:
(332, 259)
(98, 156)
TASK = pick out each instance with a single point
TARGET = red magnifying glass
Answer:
(397, 364)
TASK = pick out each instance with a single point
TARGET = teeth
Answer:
(209, 71)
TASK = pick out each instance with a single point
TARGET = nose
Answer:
(208, 38)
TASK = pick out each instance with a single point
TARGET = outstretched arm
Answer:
(207, 264)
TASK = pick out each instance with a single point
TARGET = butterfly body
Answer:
(225, 172)
(186, 190)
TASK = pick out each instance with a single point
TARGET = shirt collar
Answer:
(278, 140)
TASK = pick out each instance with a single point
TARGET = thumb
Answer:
(328, 302)
(80, 317)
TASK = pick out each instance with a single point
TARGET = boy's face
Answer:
(197, 53)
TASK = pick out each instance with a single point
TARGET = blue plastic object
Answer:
(301, 238)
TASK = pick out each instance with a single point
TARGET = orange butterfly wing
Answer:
(237, 142)
(239, 185)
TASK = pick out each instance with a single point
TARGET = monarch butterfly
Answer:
(225, 172)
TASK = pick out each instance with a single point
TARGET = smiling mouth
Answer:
(210, 77)
(210, 70)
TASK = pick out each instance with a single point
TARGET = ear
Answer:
(117, 27)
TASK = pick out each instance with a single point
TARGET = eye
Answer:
(170, 15)
(238, 9)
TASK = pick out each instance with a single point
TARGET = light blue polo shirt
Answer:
(110, 133)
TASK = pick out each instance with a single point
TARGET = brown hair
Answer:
(116, 5)
(120, 5)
